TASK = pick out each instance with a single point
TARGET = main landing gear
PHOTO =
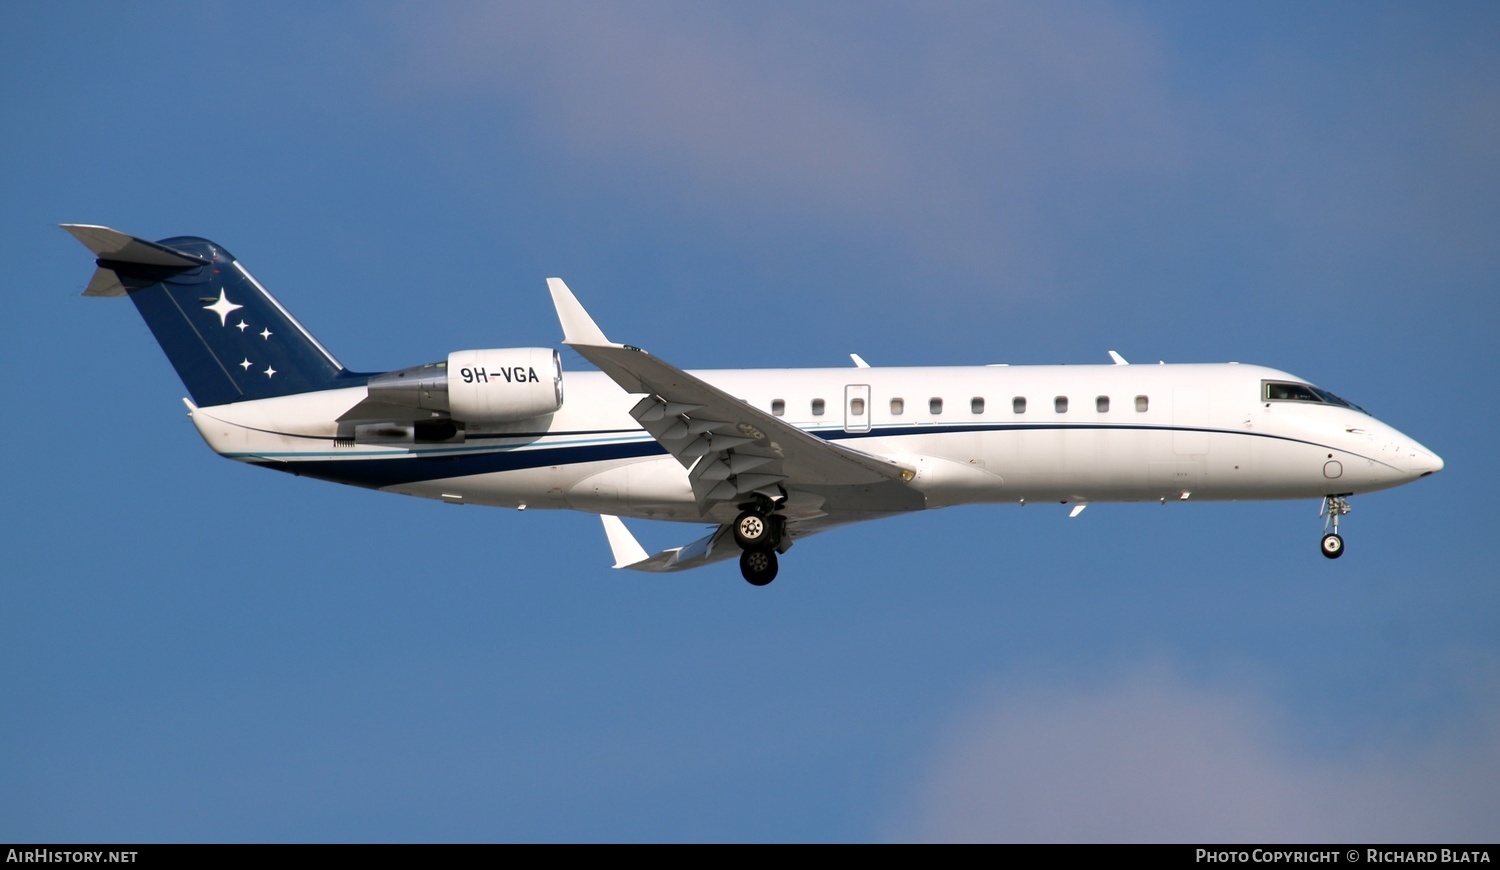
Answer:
(758, 566)
(760, 532)
(1334, 506)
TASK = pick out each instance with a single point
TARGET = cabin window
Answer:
(934, 406)
(817, 407)
(1018, 404)
(857, 407)
(1060, 404)
(898, 407)
(1142, 403)
(1101, 404)
(976, 405)
(778, 407)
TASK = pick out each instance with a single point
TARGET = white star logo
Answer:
(245, 365)
(222, 308)
(270, 371)
(242, 326)
(266, 333)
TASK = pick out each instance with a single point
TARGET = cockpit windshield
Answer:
(1288, 391)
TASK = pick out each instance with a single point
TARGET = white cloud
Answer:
(622, 83)
(944, 126)
(1150, 758)
(1024, 149)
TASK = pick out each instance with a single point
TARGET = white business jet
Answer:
(766, 456)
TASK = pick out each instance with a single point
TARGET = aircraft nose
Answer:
(1407, 457)
(1425, 462)
(1417, 460)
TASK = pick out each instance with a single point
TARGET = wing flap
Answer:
(716, 415)
(733, 451)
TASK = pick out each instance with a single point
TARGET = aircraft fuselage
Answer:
(766, 455)
(988, 434)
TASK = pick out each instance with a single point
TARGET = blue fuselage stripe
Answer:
(403, 466)
(411, 468)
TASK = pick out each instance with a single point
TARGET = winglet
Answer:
(622, 544)
(859, 361)
(1119, 360)
(578, 327)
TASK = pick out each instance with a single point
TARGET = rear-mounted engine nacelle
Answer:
(503, 385)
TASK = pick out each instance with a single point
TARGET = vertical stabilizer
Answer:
(228, 338)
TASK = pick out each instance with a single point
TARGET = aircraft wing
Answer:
(731, 449)
(716, 546)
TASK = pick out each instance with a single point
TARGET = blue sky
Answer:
(193, 650)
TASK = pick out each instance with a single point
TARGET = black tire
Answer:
(758, 566)
(752, 531)
(1333, 546)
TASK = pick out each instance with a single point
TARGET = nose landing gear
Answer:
(1334, 506)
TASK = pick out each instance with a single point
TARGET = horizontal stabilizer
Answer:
(113, 246)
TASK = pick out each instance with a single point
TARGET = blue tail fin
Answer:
(228, 339)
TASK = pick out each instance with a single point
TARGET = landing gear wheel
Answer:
(752, 531)
(1334, 506)
(758, 566)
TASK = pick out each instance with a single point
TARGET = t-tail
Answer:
(228, 339)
